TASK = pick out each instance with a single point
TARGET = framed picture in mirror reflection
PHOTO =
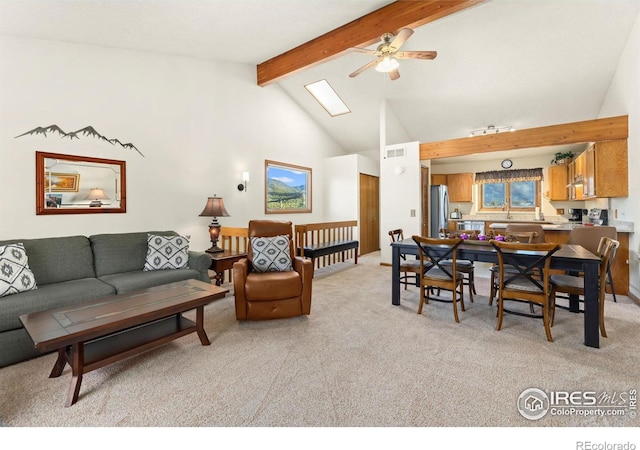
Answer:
(61, 182)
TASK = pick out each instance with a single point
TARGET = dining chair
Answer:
(527, 227)
(409, 268)
(572, 284)
(467, 269)
(590, 238)
(434, 274)
(525, 237)
(524, 286)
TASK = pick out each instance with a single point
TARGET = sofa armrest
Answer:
(201, 262)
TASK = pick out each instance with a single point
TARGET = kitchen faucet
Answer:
(506, 206)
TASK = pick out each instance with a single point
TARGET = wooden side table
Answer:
(222, 261)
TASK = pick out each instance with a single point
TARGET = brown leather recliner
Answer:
(272, 295)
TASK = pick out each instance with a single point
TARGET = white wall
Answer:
(394, 131)
(199, 124)
(342, 189)
(624, 98)
(400, 194)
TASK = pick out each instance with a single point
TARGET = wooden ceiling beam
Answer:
(605, 129)
(361, 32)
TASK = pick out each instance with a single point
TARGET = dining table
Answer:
(569, 257)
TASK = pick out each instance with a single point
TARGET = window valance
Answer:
(505, 176)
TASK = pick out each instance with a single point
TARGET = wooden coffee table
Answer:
(100, 332)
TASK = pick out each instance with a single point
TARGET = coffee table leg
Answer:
(58, 367)
(77, 366)
(204, 339)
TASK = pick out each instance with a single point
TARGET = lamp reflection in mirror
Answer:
(214, 208)
(95, 195)
(245, 180)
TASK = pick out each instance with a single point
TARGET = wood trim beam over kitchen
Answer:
(606, 129)
(361, 32)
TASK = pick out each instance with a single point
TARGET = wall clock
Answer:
(506, 164)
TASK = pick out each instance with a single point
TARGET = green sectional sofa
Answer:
(75, 269)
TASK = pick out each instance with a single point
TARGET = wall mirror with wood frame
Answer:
(70, 184)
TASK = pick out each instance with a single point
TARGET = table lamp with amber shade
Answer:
(214, 208)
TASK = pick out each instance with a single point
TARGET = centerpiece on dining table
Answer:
(476, 237)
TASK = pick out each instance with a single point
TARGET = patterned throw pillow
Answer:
(15, 274)
(167, 252)
(271, 254)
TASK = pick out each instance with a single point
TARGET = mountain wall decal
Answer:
(86, 131)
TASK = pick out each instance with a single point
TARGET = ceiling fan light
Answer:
(387, 64)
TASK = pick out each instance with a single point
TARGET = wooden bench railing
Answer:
(327, 242)
(234, 239)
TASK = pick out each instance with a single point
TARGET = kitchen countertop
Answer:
(545, 225)
(621, 226)
(551, 223)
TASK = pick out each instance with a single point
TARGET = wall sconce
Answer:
(245, 180)
(95, 195)
(214, 208)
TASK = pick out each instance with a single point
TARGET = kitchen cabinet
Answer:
(438, 179)
(588, 177)
(606, 170)
(571, 188)
(460, 187)
(558, 178)
(578, 177)
(578, 174)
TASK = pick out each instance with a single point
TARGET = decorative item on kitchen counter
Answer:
(562, 158)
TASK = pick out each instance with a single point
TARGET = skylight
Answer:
(327, 97)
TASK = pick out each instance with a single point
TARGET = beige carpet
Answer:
(355, 361)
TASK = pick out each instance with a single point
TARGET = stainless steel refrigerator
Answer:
(439, 216)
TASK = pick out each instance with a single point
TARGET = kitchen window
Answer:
(515, 190)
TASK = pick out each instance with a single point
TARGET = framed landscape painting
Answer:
(287, 188)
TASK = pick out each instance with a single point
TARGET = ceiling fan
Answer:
(387, 54)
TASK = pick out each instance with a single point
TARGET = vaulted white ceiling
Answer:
(525, 63)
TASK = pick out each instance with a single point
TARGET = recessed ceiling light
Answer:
(327, 97)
